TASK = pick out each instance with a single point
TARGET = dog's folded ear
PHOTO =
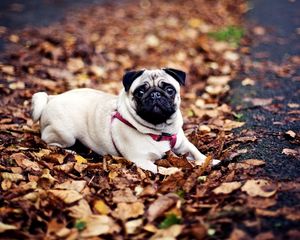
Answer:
(129, 77)
(178, 75)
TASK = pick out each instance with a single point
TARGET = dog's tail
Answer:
(39, 101)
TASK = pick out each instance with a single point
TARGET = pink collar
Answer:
(163, 137)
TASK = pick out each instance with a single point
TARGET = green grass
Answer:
(231, 34)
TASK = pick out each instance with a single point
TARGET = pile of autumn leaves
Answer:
(50, 193)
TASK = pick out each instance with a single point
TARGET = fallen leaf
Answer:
(13, 177)
(293, 105)
(230, 124)
(132, 226)
(265, 236)
(101, 207)
(291, 133)
(160, 205)
(248, 82)
(80, 210)
(23, 162)
(218, 80)
(256, 188)
(75, 64)
(99, 224)
(259, 101)
(125, 211)
(4, 227)
(238, 234)
(254, 162)
(80, 159)
(168, 171)
(227, 187)
(168, 234)
(291, 152)
(67, 196)
(47, 175)
(6, 184)
(124, 195)
(8, 69)
(78, 185)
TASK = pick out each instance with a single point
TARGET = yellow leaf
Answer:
(14, 177)
(101, 207)
(195, 22)
(42, 153)
(80, 159)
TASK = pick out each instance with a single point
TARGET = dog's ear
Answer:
(129, 77)
(177, 74)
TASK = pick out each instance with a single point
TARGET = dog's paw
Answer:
(168, 171)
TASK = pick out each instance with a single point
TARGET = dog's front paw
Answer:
(168, 171)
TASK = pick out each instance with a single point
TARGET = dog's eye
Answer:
(140, 93)
(170, 91)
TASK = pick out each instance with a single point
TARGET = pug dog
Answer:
(141, 124)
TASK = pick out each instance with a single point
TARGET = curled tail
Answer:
(39, 101)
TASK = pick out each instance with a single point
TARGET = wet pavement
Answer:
(274, 49)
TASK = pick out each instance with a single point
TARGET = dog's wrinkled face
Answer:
(154, 94)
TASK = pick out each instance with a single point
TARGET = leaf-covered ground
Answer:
(48, 193)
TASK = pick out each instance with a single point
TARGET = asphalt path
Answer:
(280, 19)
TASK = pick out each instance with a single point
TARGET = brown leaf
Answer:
(132, 226)
(81, 210)
(291, 152)
(180, 162)
(125, 211)
(265, 236)
(78, 185)
(67, 196)
(160, 205)
(22, 161)
(172, 182)
(230, 124)
(254, 162)
(238, 234)
(256, 188)
(99, 224)
(4, 227)
(169, 233)
(124, 195)
(259, 101)
(227, 187)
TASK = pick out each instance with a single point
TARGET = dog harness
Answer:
(171, 138)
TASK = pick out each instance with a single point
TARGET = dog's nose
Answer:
(155, 95)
